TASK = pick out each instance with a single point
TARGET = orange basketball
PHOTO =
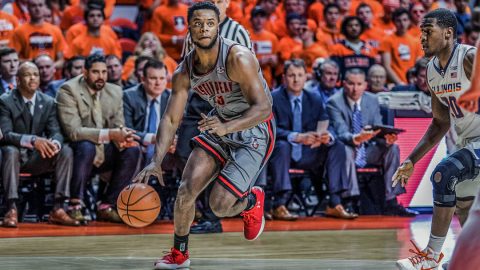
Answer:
(138, 205)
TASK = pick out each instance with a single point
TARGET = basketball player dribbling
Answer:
(236, 138)
(456, 179)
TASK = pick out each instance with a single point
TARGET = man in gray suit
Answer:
(353, 112)
(33, 144)
(145, 103)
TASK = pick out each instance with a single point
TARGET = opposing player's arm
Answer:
(173, 113)
(435, 132)
(469, 99)
(468, 62)
(242, 67)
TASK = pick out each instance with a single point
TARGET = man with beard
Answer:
(236, 137)
(91, 114)
(229, 29)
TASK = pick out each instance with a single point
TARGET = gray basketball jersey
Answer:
(216, 87)
(448, 85)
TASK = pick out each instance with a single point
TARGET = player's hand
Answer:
(150, 170)
(469, 100)
(391, 138)
(403, 173)
(213, 125)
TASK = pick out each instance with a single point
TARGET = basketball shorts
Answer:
(240, 155)
(469, 188)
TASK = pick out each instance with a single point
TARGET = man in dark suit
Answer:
(33, 143)
(302, 143)
(8, 69)
(91, 114)
(145, 103)
(353, 112)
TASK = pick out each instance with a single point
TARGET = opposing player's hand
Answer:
(403, 173)
(213, 125)
(150, 170)
(469, 100)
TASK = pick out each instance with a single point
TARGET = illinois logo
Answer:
(255, 144)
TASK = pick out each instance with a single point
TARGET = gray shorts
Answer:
(240, 155)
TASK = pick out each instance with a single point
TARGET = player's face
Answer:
(9, 65)
(354, 86)
(28, 78)
(434, 39)
(114, 70)
(96, 76)
(204, 28)
(46, 67)
(155, 82)
(295, 79)
(95, 19)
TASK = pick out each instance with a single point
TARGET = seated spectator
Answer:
(33, 143)
(8, 69)
(19, 9)
(148, 46)
(169, 23)
(470, 36)
(114, 71)
(353, 112)
(420, 78)
(400, 50)
(91, 114)
(280, 27)
(300, 144)
(417, 12)
(38, 37)
(92, 42)
(73, 67)
(328, 33)
(8, 24)
(326, 78)
(292, 41)
(311, 49)
(145, 103)
(75, 12)
(385, 22)
(372, 35)
(352, 52)
(463, 15)
(377, 79)
(47, 70)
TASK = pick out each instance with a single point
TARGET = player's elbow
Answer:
(265, 111)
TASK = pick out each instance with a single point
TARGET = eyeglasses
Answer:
(418, 11)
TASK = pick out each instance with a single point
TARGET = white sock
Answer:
(436, 243)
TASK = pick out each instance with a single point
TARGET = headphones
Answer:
(317, 71)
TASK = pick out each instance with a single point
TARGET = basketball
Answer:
(138, 205)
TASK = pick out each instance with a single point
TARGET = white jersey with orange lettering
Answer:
(448, 84)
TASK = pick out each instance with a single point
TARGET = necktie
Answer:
(29, 107)
(151, 128)
(97, 118)
(360, 158)
(297, 127)
(28, 115)
(10, 87)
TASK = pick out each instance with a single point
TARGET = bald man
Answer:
(46, 69)
(33, 143)
(377, 79)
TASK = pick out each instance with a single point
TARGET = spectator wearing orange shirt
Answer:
(170, 25)
(328, 32)
(74, 13)
(269, 7)
(315, 11)
(82, 29)
(417, 11)
(292, 42)
(385, 22)
(8, 23)
(19, 9)
(352, 52)
(290, 6)
(400, 51)
(311, 50)
(265, 44)
(92, 42)
(372, 35)
(38, 37)
(344, 7)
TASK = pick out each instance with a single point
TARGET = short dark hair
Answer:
(112, 56)
(329, 6)
(155, 64)
(444, 19)
(94, 58)
(6, 51)
(355, 71)
(421, 63)
(297, 62)
(362, 5)
(347, 20)
(399, 12)
(200, 6)
(141, 59)
(94, 5)
(69, 63)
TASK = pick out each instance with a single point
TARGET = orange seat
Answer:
(123, 23)
(127, 45)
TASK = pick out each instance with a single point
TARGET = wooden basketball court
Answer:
(370, 242)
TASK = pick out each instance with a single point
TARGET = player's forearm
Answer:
(255, 115)
(434, 134)
(165, 135)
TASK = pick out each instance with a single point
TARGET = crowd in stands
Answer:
(82, 94)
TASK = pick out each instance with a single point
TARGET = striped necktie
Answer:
(360, 158)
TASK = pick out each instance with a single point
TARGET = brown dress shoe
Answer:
(268, 215)
(61, 217)
(109, 214)
(11, 219)
(339, 212)
(282, 213)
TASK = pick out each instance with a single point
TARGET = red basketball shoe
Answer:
(173, 260)
(253, 219)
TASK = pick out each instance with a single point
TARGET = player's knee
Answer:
(220, 203)
(454, 169)
(185, 193)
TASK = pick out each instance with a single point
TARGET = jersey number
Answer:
(220, 100)
(455, 111)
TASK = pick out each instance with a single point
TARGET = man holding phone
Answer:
(304, 142)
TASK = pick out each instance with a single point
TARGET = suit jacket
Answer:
(13, 122)
(76, 109)
(313, 110)
(2, 89)
(135, 104)
(341, 114)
